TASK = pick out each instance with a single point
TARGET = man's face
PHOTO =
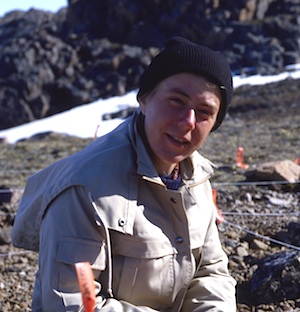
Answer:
(179, 114)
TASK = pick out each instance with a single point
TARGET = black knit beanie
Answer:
(181, 55)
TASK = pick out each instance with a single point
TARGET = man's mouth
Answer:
(177, 140)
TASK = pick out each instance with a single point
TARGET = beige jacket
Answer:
(151, 249)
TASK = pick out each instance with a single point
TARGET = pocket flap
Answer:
(72, 250)
(140, 247)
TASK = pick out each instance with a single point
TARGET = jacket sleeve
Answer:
(212, 289)
(69, 233)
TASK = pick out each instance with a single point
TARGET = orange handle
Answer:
(220, 217)
(86, 284)
(240, 158)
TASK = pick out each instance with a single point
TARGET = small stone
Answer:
(257, 244)
(241, 251)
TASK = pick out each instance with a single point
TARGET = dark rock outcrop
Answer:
(91, 49)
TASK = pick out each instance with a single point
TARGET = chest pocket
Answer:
(143, 269)
(70, 251)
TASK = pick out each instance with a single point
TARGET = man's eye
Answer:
(177, 101)
(203, 113)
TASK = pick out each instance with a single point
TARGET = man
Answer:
(137, 203)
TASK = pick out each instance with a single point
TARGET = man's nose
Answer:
(188, 120)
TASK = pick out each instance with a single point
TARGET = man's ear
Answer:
(142, 103)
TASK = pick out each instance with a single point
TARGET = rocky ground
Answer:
(263, 120)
